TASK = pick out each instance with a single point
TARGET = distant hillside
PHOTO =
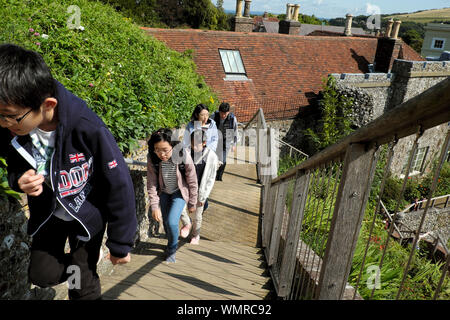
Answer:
(424, 16)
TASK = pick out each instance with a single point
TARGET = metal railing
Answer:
(441, 201)
(312, 215)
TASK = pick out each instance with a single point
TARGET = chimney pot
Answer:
(389, 28)
(247, 8)
(296, 11)
(288, 11)
(239, 8)
(348, 25)
(396, 29)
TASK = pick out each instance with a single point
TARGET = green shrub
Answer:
(335, 117)
(5, 190)
(173, 13)
(422, 278)
(287, 162)
(132, 81)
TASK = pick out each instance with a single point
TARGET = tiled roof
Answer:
(306, 29)
(279, 67)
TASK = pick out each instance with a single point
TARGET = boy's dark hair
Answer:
(197, 110)
(224, 107)
(25, 79)
(198, 132)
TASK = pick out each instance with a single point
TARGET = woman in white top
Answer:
(200, 120)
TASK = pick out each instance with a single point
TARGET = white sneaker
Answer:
(195, 240)
(184, 232)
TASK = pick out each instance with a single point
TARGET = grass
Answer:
(424, 16)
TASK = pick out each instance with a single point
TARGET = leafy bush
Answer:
(422, 278)
(132, 81)
(335, 117)
(287, 162)
(5, 190)
(173, 13)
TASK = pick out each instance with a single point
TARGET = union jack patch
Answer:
(112, 164)
(76, 157)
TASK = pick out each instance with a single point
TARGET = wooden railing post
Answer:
(276, 224)
(268, 215)
(293, 234)
(353, 192)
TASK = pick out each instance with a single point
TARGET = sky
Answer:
(339, 8)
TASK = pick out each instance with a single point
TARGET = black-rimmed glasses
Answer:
(11, 118)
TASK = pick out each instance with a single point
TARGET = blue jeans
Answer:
(171, 207)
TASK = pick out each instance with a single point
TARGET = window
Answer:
(419, 159)
(417, 162)
(437, 43)
(232, 62)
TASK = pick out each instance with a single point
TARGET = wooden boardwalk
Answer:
(226, 265)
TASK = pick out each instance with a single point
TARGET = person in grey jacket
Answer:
(206, 163)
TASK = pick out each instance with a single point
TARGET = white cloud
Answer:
(372, 9)
(318, 2)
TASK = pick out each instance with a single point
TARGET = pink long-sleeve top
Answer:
(187, 184)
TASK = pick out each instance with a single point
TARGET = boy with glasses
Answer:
(68, 163)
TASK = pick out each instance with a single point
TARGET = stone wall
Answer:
(388, 90)
(281, 125)
(411, 79)
(436, 223)
(14, 251)
(376, 85)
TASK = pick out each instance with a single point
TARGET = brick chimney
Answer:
(348, 25)
(388, 48)
(242, 23)
(291, 24)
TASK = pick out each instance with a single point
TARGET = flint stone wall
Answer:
(408, 79)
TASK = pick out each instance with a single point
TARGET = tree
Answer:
(413, 39)
(219, 5)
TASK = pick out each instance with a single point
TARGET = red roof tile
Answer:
(279, 67)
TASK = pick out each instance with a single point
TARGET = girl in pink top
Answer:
(171, 183)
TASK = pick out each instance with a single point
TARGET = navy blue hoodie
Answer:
(88, 176)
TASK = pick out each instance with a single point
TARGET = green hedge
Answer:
(131, 80)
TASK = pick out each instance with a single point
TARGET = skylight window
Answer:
(232, 62)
